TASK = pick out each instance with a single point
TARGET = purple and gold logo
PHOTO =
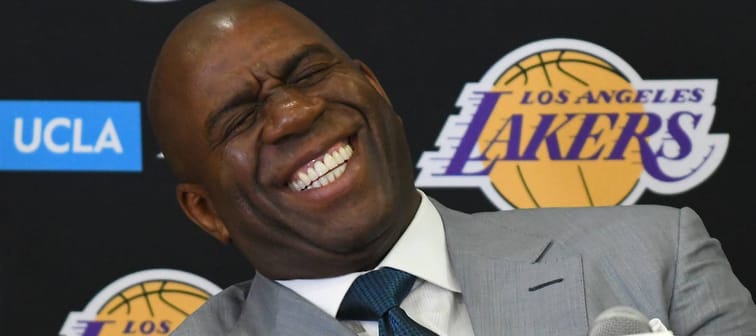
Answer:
(151, 302)
(564, 122)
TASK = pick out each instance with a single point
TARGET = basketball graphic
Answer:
(151, 302)
(550, 83)
(565, 123)
(170, 300)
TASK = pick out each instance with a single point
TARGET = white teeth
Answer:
(329, 161)
(304, 180)
(321, 168)
(312, 174)
(344, 153)
(336, 156)
(323, 171)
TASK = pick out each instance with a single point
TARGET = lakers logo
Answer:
(564, 122)
(151, 302)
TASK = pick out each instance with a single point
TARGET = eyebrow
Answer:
(241, 96)
(302, 53)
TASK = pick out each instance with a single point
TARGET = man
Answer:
(289, 149)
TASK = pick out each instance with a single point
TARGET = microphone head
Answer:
(618, 321)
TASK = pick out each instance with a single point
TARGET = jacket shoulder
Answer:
(566, 222)
(657, 225)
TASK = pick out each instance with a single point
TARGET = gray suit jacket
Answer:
(540, 272)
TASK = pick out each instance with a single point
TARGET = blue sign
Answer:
(70, 136)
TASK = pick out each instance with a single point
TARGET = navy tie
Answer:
(375, 296)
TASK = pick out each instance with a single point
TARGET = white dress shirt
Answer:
(435, 300)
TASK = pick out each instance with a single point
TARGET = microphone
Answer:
(626, 321)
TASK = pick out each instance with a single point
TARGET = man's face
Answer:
(302, 158)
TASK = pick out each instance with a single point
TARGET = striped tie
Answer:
(375, 296)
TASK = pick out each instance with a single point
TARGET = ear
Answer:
(372, 79)
(199, 208)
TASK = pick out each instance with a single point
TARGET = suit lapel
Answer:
(514, 283)
(272, 309)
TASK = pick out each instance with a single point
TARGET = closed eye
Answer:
(238, 123)
(310, 75)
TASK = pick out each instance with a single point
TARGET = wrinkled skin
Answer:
(243, 94)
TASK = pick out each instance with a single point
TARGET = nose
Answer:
(288, 112)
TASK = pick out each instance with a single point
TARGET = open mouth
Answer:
(323, 170)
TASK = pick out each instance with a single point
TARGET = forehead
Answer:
(258, 39)
(230, 50)
(217, 53)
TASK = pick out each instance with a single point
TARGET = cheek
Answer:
(343, 86)
(232, 185)
(255, 227)
(238, 162)
(244, 216)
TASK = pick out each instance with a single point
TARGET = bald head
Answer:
(193, 50)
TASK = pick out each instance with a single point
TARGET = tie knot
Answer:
(374, 293)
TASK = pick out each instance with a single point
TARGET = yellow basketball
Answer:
(150, 307)
(550, 183)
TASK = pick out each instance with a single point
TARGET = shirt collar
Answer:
(421, 251)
